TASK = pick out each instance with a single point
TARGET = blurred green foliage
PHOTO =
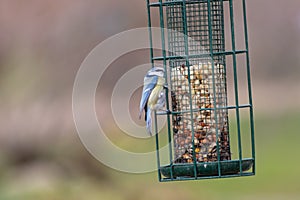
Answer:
(277, 176)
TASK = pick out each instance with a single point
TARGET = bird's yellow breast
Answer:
(156, 92)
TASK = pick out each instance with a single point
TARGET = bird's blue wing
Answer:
(149, 84)
(149, 121)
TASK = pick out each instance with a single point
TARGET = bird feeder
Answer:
(204, 130)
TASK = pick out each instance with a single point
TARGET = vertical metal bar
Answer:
(223, 31)
(186, 47)
(162, 28)
(152, 61)
(225, 75)
(249, 85)
(157, 147)
(214, 81)
(235, 83)
(150, 32)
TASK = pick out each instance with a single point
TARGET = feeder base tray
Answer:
(228, 167)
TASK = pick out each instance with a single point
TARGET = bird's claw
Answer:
(164, 112)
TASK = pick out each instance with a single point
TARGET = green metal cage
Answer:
(204, 129)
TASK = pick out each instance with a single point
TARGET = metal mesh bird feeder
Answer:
(203, 127)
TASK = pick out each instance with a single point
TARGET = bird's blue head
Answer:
(156, 71)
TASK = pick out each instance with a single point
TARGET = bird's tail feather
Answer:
(149, 121)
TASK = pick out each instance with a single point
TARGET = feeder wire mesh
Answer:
(196, 66)
(196, 132)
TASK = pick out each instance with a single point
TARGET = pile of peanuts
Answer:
(195, 92)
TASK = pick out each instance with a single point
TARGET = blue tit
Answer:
(153, 97)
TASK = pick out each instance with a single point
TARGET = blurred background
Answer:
(42, 46)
